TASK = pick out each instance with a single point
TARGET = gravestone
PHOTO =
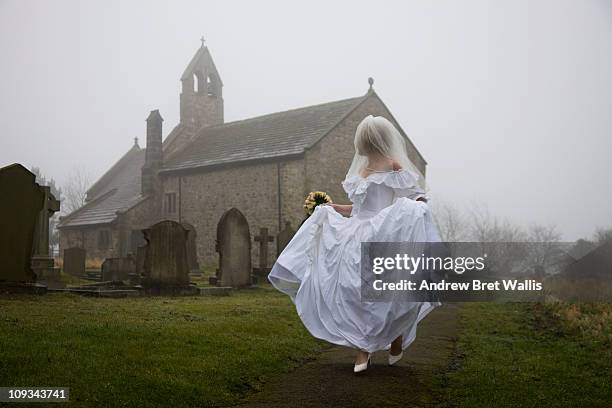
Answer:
(118, 269)
(74, 261)
(42, 262)
(283, 237)
(234, 247)
(141, 255)
(166, 270)
(263, 239)
(192, 254)
(21, 202)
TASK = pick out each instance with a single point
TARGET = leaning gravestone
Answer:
(192, 254)
(21, 202)
(283, 237)
(74, 261)
(166, 270)
(118, 269)
(234, 248)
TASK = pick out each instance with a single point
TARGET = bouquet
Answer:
(316, 198)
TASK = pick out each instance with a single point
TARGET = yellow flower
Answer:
(314, 199)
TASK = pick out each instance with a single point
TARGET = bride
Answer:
(320, 267)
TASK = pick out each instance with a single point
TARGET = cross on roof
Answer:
(203, 40)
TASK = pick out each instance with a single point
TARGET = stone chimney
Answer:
(153, 153)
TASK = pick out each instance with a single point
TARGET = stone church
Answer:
(263, 166)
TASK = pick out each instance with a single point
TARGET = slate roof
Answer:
(263, 137)
(269, 136)
(117, 190)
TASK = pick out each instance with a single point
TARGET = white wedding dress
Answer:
(320, 267)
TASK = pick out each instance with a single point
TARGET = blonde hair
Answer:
(376, 135)
(373, 136)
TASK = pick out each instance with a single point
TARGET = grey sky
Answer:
(509, 101)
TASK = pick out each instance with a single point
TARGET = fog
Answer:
(509, 101)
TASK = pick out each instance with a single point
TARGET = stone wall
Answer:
(141, 216)
(328, 161)
(88, 238)
(203, 197)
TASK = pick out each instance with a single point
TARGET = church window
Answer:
(209, 85)
(212, 85)
(199, 84)
(170, 203)
(103, 239)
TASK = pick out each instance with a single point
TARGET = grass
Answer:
(203, 351)
(530, 355)
(151, 351)
(589, 322)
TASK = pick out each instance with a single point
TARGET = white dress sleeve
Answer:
(404, 183)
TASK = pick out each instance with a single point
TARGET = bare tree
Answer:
(451, 222)
(75, 190)
(602, 235)
(490, 231)
(543, 248)
(485, 227)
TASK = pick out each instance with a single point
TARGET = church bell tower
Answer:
(202, 92)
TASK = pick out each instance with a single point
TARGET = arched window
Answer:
(212, 84)
(198, 82)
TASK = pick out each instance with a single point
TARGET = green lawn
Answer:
(151, 351)
(211, 351)
(524, 355)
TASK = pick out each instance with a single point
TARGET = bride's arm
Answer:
(343, 209)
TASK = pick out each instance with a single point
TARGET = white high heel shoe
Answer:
(394, 359)
(363, 366)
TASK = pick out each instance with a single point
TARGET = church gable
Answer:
(328, 160)
(372, 104)
(117, 190)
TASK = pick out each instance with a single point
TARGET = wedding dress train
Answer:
(320, 267)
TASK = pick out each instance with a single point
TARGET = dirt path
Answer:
(329, 381)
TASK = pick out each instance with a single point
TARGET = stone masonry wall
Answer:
(203, 198)
(328, 161)
(88, 238)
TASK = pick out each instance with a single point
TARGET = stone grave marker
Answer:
(166, 269)
(43, 263)
(74, 261)
(192, 254)
(118, 269)
(263, 239)
(20, 207)
(234, 247)
(283, 237)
